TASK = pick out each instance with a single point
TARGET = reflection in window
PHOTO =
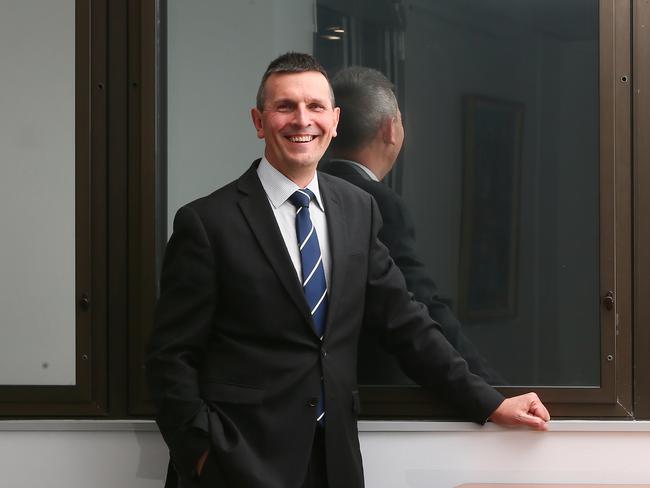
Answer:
(500, 173)
(500, 166)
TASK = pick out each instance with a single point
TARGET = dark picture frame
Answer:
(489, 244)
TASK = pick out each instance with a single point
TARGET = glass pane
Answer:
(216, 53)
(37, 193)
(502, 174)
(499, 170)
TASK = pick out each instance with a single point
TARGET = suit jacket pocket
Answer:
(230, 393)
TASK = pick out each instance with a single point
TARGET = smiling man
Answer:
(296, 117)
(265, 287)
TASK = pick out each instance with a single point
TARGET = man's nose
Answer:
(301, 116)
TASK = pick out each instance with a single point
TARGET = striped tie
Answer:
(313, 272)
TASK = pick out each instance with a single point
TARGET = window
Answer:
(52, 263)
(162, 94)
(532, 71)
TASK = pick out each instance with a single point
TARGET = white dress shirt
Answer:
(278, 189)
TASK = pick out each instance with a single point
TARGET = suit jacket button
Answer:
(324, 353)
(313, 402)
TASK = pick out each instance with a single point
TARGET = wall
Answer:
(435, 455)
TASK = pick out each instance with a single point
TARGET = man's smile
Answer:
(301, 139)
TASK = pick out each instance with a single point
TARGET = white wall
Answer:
(437, 455)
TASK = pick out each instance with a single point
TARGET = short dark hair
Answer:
(366, 99)
(291, 62)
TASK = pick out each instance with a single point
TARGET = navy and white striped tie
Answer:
(313, 273)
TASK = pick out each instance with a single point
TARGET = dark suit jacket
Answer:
(398, 234)
(234, 363)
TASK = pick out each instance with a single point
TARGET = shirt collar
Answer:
(365, 169)
(279, 188)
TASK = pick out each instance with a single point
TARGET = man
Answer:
(370, 136)
(252, 369)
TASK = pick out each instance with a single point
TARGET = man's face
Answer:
(298, 121)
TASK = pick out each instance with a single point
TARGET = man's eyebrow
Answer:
(283, 101)
(323, 101)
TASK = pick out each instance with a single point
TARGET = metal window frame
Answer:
(88, 396)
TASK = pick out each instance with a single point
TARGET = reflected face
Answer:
(297, 123)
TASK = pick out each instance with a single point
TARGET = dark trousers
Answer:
(317, 470)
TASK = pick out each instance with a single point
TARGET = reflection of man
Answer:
(370, 136)
(252, 363)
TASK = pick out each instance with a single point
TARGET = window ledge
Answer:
(554, 426)
(364, 426)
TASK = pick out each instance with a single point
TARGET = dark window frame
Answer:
(614, 398)
(88, 396)
(641, 206)
(120, 123)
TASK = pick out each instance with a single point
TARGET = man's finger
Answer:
(539, 410)
(533, 422)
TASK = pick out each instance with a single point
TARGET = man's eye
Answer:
(316, 107)
(283, 108)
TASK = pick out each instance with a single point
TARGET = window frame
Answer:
(120, 162)
(88, 395)
(641, 206)
(613, 398)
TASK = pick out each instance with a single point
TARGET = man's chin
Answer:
(306, 162)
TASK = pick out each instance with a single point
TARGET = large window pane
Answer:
(216, 54)
(37, 193)
(502, 174)
(500, 168)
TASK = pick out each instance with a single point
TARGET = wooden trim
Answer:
(641, 128)
(117, 210)
(622, 139)
(413, 402)
(143, 175)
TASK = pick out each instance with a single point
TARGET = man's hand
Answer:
(201, 462)
(523, 410)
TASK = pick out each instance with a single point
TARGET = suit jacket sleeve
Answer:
(184, 314)
(408, 332)
(398, 234)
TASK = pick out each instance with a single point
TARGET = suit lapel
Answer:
(257, 212)
(336, 224)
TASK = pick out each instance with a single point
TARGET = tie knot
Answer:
(301, 198)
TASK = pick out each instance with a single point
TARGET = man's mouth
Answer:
(307, 138)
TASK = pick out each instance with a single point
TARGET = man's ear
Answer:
(389, 130)
(257, 122)
(337, 113)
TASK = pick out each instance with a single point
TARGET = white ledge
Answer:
(553, 426)
(364, 426)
